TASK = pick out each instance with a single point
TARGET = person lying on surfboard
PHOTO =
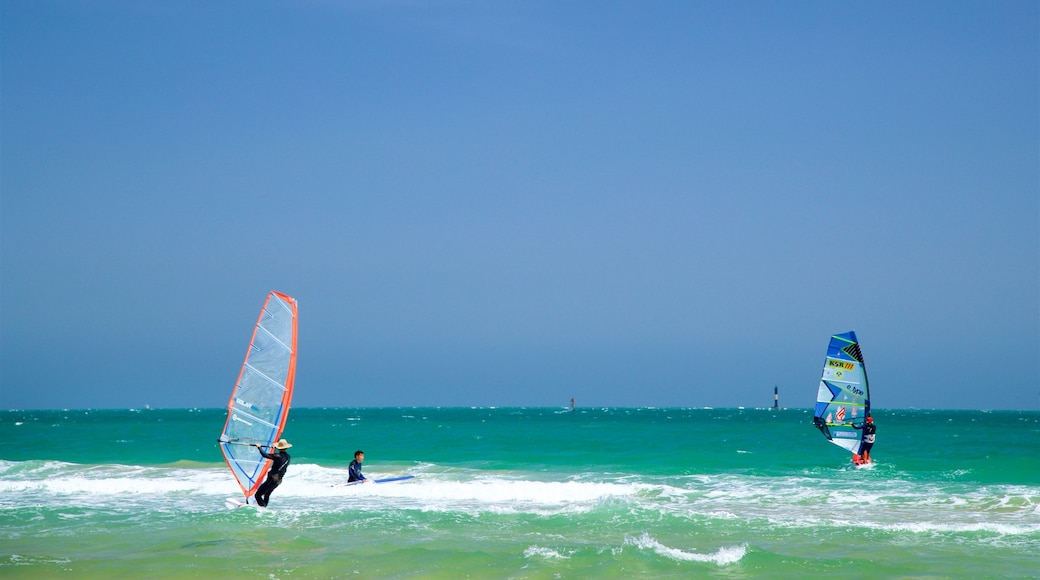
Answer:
(280, 462)
(354, 471)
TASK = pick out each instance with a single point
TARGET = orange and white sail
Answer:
(259, 404)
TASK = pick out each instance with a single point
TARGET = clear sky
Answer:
(516, 203)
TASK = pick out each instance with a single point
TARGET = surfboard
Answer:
(384, 480)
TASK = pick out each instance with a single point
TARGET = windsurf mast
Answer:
(843, 399)
(259, 404)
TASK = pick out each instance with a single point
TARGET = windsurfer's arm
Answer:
(262, 452)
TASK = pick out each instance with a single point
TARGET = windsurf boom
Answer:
(843, 400)
(259, 403)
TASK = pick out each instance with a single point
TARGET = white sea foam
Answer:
(1002, 529)
(306, 485)
(780, 502)
(19, 560)
(545, 553)
(467, 492)
(724, 556)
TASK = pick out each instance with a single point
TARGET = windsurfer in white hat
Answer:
(279, 463)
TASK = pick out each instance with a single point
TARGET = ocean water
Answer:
(524, 493)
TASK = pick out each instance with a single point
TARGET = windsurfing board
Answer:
(384, 480)
(233, 504)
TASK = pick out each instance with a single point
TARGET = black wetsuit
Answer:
(868, 437)
(354, 472)
(280, 461)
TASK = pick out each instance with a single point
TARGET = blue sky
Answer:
(629, 203)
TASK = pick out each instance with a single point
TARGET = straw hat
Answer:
(282, 444)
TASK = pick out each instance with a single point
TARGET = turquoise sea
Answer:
(524, 493)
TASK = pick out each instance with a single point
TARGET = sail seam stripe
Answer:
(274, 382)
(251, 416)
(274, 338)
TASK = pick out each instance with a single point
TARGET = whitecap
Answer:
(546, 553)
(724, 556)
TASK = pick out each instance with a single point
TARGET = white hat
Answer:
(282, 444)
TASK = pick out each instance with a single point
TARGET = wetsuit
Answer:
(866, 443)
(354, 472)
(280, 461)
(868, 438)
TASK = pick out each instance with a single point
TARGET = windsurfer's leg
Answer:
(263, 493)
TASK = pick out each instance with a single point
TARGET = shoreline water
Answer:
(524, 493)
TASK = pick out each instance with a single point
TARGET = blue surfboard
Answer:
(384, 480)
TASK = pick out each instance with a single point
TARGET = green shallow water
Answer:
(524, 493)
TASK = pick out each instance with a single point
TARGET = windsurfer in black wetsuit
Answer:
(279, 463)
(354, 470)
(868, 441)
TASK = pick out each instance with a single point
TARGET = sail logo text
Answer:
(840, 364)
